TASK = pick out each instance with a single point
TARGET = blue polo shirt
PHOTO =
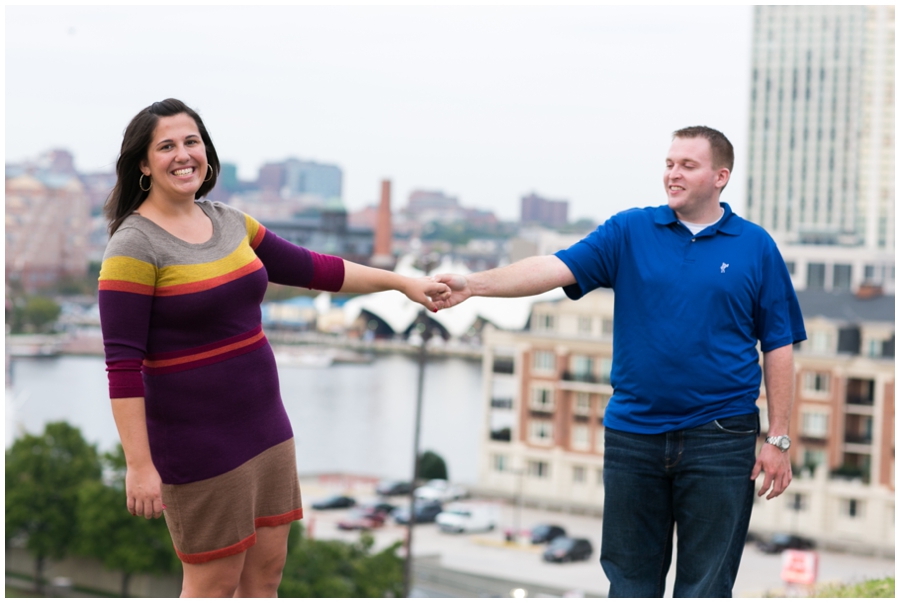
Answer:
(689, 311)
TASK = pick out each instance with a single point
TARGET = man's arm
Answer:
(530, 276)
(778, 369)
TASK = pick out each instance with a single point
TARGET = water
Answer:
(348, 418)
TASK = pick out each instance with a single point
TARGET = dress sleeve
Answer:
(126, 288)
(289, 264)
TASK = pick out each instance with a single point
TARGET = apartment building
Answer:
(47, 229)
(546, 389)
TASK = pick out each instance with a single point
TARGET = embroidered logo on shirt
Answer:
(723, 267)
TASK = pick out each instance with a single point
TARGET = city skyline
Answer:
(486, 104)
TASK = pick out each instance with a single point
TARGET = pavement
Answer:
(487, 554)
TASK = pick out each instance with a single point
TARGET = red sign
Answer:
(799, 567)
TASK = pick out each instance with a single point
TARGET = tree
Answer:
(330, 568)
(108, 532)
(32, 314)
(43, 476)
(432, 466)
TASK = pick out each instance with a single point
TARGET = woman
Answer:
(192, 378)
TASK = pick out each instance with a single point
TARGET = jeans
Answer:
(697, 479)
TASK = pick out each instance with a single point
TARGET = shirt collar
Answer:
(730, 223)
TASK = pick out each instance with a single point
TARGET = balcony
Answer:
(859, 400)
(504, 366)
(501, 402)
(580, 377)
(858, 438)
(501, 435)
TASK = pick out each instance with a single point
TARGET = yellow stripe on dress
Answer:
(238, 260)
(123, 273)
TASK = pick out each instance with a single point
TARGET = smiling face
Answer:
(176, 158)
(692, 183)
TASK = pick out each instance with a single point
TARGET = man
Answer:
(696, 288)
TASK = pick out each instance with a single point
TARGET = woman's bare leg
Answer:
(217, 578)
(264, 563)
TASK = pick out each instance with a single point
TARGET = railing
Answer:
(501, 402)
(857, 438)
(501, 435)
(860, 400)
(504, 365)
(580, 377)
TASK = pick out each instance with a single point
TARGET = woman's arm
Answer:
(143, 486)
(362, 279)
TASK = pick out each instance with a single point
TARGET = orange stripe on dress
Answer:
(259, 237)
(227, 551)
(125, 286)
(278, 520)
(209, 283)
(203, 355)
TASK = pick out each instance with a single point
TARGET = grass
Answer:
(882, 589)
(15, 593)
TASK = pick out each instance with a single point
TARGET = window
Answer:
(820, 342)
(585, 325)
(814, 458)
(605, 369)
(851, 507)
(582, 404)
(601, 405)
(842, 273)
(599, 477)
(607, 327)
(500, 463)
(815, 277)
(814, 424)
(542, 399)
(544, 360)
(501, 403)
(598, 444)
(578, 475)
(582, 366)
(539, 469)
(581, 437)
(791, 267)
(540, 432)
(816, 382)
(797, 502)
(544, 322)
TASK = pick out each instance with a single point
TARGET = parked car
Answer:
(545, 532)
(565, 548)
(380, 506)
(426, 512)
(363, 518)
(334, 502)
(390, 487)
(440, 489)
(780, 542)
(460, 517)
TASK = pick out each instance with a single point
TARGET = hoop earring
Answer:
(208, 172)
(141, 183)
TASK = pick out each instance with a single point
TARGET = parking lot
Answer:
(487, 554)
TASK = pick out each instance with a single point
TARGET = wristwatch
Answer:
(781, 442)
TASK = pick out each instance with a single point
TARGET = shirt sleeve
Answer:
(593, 259)
(779, 321)
(289, 264)
(126, 288)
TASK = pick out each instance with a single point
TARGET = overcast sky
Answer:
(485, 104)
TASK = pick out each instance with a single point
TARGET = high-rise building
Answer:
(821, 143)
(538, 210)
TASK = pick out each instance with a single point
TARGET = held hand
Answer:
(777, 467)
(143, 491)
(459, 289)
(426, 291)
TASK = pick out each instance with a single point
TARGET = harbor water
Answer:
(354, 419)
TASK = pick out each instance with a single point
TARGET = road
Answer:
(487, 554)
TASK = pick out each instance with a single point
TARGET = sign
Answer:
(799, 567)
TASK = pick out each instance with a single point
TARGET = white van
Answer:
(468, 517)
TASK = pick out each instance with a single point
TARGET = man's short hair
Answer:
(722, 151)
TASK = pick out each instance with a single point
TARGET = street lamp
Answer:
(423, 327)
(424, 330)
